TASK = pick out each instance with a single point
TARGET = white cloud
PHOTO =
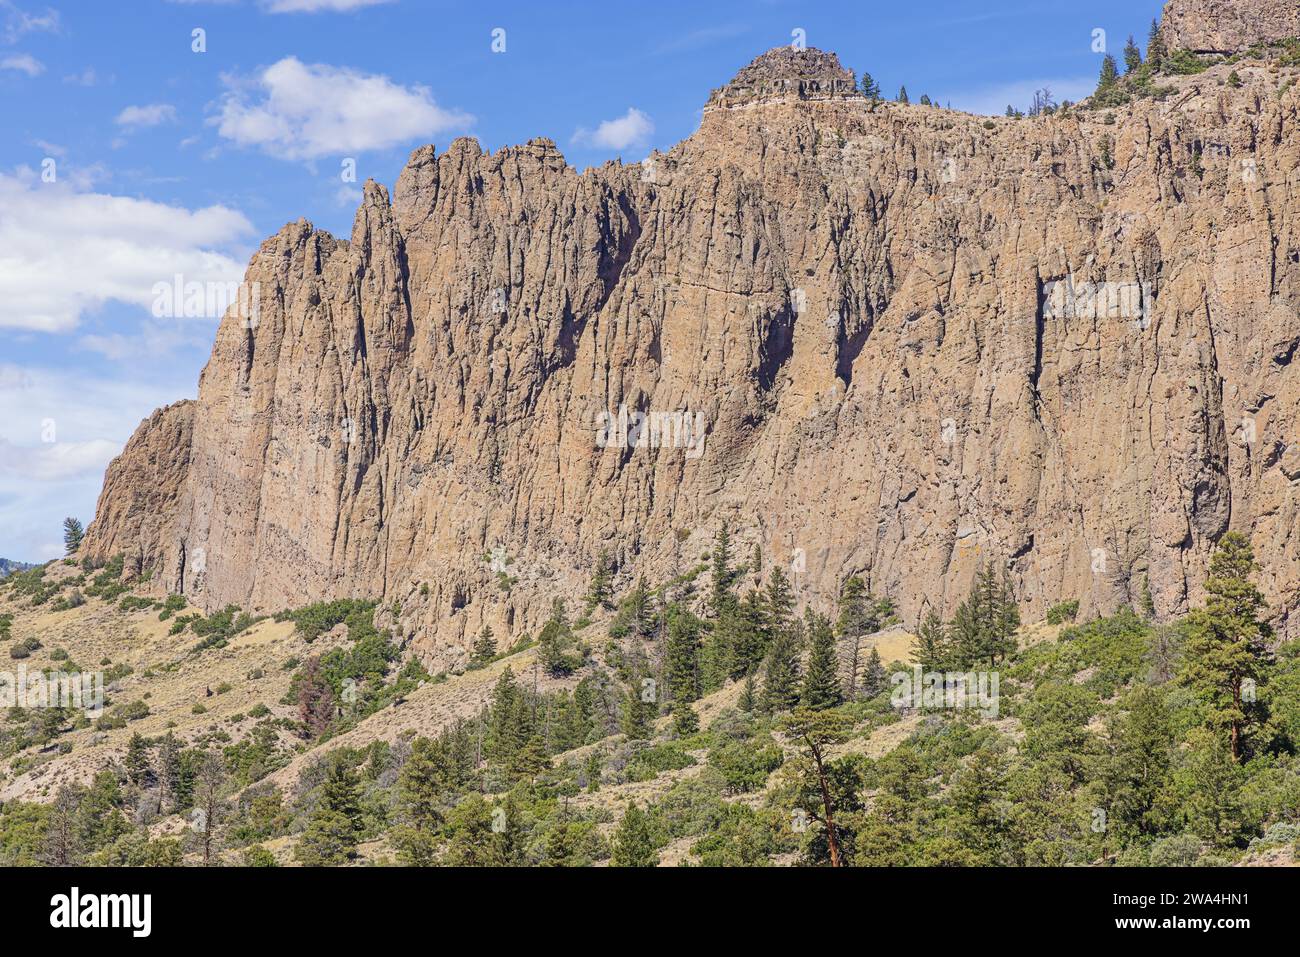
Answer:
(23, 63)
(633, 128)
(58, 432)
(312, 110)
(994, 100)
(317, 6)
(64, 252)
(138, 117)
(18, 22)
(87, 77)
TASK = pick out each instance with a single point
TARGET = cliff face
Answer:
(139, 506)
(1227, 26)
(914, 340)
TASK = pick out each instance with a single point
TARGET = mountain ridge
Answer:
(857, 297)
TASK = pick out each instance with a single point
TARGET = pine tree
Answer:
(902, 95)
(749, 632)
(685, 721)
(169, 773)
(683, 656)
(315, 699)
(639, 610)
(870, 88)
(1109, 74)
(209, 808)
(554, 643)
(781, 682)
(639, 708)
(748, 696)
(817, 731)
(932, 652)
(875, 679)
(925, 100)
(1155, 46)
(138, 770)
(335, 825)
(485, 647)
(73, 533)
(853, 625)
(778, 602)
(420, 786)
(821, 683)
(1132, 56)
(722, 598)
(633, 843)
(1227, 644)
(600, 590)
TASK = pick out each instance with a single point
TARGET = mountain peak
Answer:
(787, 72)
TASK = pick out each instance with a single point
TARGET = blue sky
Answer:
(127, 157)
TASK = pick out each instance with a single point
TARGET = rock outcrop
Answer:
(1228, 26)
(886, 340)
(139, 505)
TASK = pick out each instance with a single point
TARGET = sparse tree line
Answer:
(1130, 742)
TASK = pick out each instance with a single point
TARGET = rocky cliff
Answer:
(1228, 26)
(886, 340)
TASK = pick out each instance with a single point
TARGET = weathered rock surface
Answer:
(1228, 26)
(856, 299)
(138, 507)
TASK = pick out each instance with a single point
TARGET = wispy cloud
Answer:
(19, 22)
(633, 128)
(140, 117)
(295, 110)
(318, 6)
(23, 63)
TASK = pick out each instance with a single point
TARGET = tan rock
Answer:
(917, 340)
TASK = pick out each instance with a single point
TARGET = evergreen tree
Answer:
(73, 533)
(932, 652)
(902, 95)
(870, 88)
(600, 590)
(485, 647)
(778, 603)
(925, 100)
(853, 624)
(817, 731)
(1227, 643)
(639, 708)
(420, 787)
(555, 642)
(781, 682)
(1135, 778)
(683, 656)
(821, 684)
(169, 773)
(209, 808)
(875, 679)
(639, 610)
(633, 843)
(335, 825)
(750, 633)
(1132, 56)
(1155, 46)
(1109, 74)
(138, 769)
(685, 721)
(722, 598)
(748, 696)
